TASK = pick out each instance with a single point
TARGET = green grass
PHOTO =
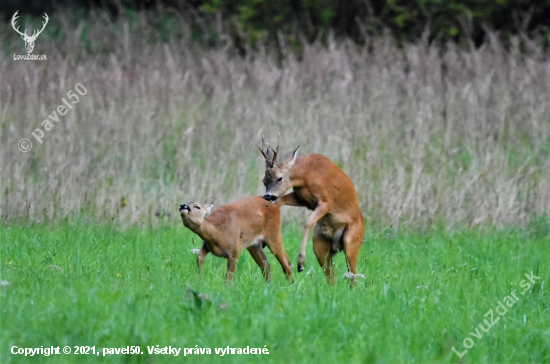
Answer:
(80, 284)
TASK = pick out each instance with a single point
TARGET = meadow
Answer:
(448, 148)
(78, 284)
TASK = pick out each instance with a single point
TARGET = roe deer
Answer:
(249, 223)
(321, 186)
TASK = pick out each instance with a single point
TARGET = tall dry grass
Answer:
(427, 134)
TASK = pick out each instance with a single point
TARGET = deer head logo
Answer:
(29, 40)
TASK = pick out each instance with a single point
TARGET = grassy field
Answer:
(77, 284)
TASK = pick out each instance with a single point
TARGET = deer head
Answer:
(193, 214)
(29, 40)
(276, 178)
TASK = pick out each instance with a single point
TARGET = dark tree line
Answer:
(267, 20)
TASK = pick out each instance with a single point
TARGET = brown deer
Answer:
(321, 186)
(249, 223)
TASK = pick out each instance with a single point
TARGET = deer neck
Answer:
(296, 175)
(207, 231)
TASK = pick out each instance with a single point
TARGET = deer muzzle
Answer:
(270, 197)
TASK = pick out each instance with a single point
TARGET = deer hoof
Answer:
(301, 261)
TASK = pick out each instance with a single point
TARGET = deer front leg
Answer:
(290, 199)
(200, 257)
(316, 215)
(231, 266)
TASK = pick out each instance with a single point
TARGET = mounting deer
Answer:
(249, 223)
(29, 40)
(321, 186)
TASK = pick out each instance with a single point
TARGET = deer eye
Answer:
(280, 180)
(196, 207)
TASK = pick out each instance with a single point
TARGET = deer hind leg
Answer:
(353, 239)
(259, 257)
(316, 215)
(322, 247)
(276, 246)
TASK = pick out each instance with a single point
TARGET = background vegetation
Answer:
(428, 134)
(245, 22)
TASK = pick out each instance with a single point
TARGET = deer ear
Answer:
(290, 161)
(209, 208)
(269, 158)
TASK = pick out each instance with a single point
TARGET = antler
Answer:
(264, 145)
(35, 34)
(269, 153)
(13, 24)
(276, 150)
